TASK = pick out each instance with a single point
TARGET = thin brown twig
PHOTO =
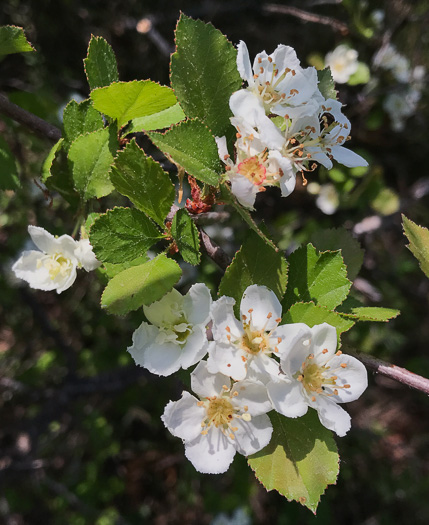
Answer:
(307, 16)
(31, 121)
(214, 251)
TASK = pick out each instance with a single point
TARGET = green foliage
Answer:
(318, 277)
(255, 263)
(123, 234)
(312, 314)
(79, 119)
(100, 64)
(91, 157)
(126, 101)
(419, 242)
(185, 233)
(9, 179)
(341, 239)
(371, 313)
(326, 83)
(361, 76)
(300, 461)
(160, 120)
(144, 182)
(140, 285)
(191, 145)
(204, 73)
(13, 40)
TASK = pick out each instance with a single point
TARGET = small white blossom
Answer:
(343, 63)
(317, 376)
(390, 59)
(54, 266)
(401, 105)
(225, 420)
(328, 199)
(177, 336)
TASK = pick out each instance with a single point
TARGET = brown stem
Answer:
(215, 252)
(31, 121)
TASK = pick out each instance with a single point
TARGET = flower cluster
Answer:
(255, 364)
(54, 266)
(284, 126)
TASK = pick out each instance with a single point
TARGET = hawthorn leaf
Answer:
(419, 242)
(162, 119)
(326, 83)
(371, 313)
(100, 64)
(13, 40)
(79, 119)
(185, 233)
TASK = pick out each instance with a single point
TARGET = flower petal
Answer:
(195, 348)
(223, 317)
(261, 307)
(197, 303)
(246, 105)
(85, 256)
(243, 63)
(348, 158)
(253, 395)
(42, 238)
(353, 374)
(323, 337)
(207, 384)
(332, 416)
(244, 190)
(212, 453)
(287, 398)
(228, 360)
(252, 435)
(293, 344)
(166, 311)
(183, 417)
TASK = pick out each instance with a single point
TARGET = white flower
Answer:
(277, 84)
(225, 420)
(401, 105)
(328, 199)
(342, 62)
(316, 376)
(390, 59)
(245, 348)
(177, 336)
(54, 267)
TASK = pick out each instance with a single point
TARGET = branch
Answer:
(215, 252)
(402, 375)
(307, 17)
(31, 121)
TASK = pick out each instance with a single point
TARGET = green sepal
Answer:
(186, 235)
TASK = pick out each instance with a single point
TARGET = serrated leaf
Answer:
(100, 64)
(140, 285)
(13, 40)
(144, 182)
(110, 270)
(341, 239)
(419, 242)
(90, 157)
(371, 313)
(47, 163)
(185, 233)
(9, 179)
(79, 119)
(160, 120)
(318, 277)
(312, 314)
(255, 263)
(191, 145)
(326, 83)
(122, 234)
(300, 461)
(204, 73)
(126, 101)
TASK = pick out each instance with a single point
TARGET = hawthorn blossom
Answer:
(317, 376)
(176, 337)
(54, 266)
(343, 63)
(246, 348)
(227, 418)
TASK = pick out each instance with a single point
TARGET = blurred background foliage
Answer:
(81, 440)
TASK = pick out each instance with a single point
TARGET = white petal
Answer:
(228, 360)
(195, 348)
(223, 317)
(293, 347)
(28, 268)
(183, 418)
(266, 308)
(287, 398)
(206, 384)
(211, 454)
(348, 158)
(332, 416)
(197, 303)
(243, 63)
(222, 147)
(285, 57)
(354, 374)
(253, 395)
(263, 368)
(85, 256)
(42, 238)
(323, 337)
(252, 435)
(244, 190)
(166, 311)
(245, 104)
(67, 280)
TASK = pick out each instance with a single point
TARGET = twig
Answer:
(307, 17)
(402, 375)
(31, 121)
(215, 252)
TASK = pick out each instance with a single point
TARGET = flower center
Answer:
(220, 412)
(254, 341)
(253, 170)
(56, 264)
(177, 333)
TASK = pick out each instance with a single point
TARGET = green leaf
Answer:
(312, 314)
(162, 119)
(204, 73)
(79, 119)
(300, 461)
(13, 40)
(191, 145)
(318, 277)
(361, 76)
(255, 263)
(91, 157)
(419, 242)
(371, 313)
(144, 182)
(185, 233)
(326, 83)
(9, 179)
(126, 101)
(100, 64)
(341, 239)
(47, 163)
(110, 269)
(140, 285)
(123, 234)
